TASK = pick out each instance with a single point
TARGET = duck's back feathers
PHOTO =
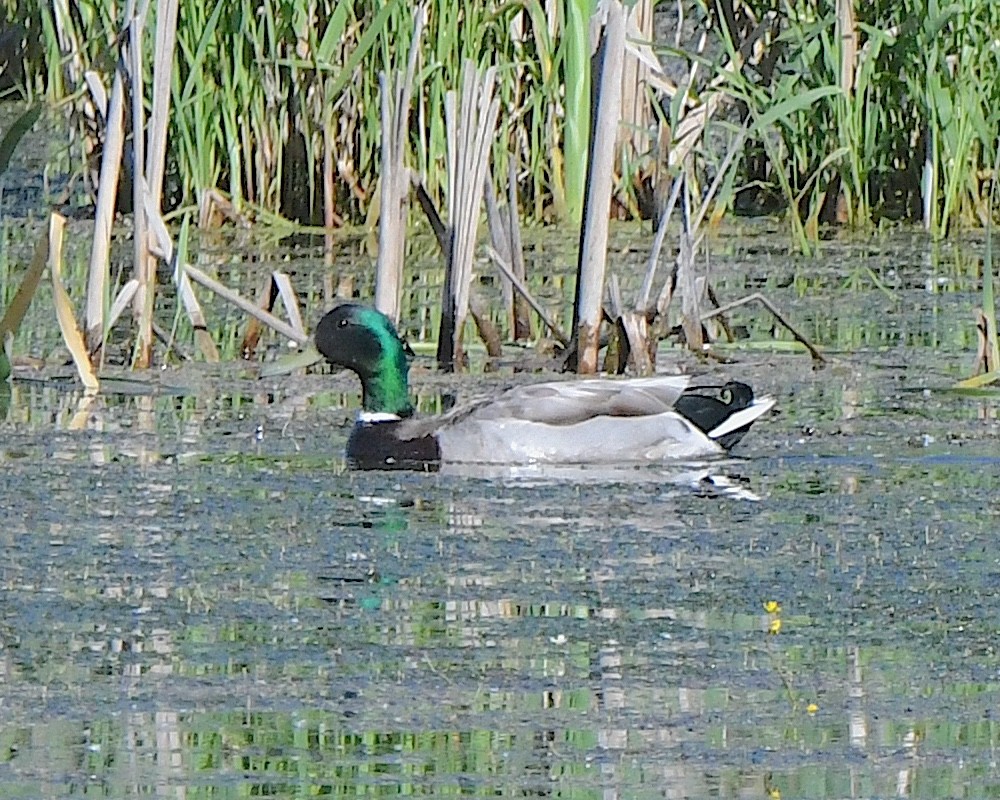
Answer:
(571, 402)
(561, 403)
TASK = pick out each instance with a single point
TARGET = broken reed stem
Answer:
(122, 301)
(523, 290)
(266, 298)
(289, 300)
(242, 303)
(505, 235)
(163, 247)
(64, 307)
(329, 190)
(734, 150)
(847, 34)
(26, 291)
(206, 345)
(477, 308)
(758, 297)
(686, 280)
(654, 255)
(633, 324)
(427, 204)
(642, 304)
(521, 320)
(500, 240)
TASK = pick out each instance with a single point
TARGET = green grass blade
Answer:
(577, 79)
(15, 133)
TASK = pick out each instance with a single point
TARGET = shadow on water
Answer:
(197, 598)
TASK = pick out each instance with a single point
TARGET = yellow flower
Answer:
(772, 607)
(812, 708)
(775, 626)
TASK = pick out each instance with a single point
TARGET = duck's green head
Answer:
(365, 341)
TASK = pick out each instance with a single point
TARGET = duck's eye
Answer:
(726, 396)
(343, 323)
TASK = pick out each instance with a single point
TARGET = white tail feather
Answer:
(744, 416)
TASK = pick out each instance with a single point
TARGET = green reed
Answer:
(924, 100)
(891, 113)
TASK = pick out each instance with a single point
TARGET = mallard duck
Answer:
(594, 421)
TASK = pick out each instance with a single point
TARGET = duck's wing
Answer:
(561, 403)
(566, 403)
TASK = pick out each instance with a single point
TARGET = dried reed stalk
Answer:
(159, 119)
(505, 235)
(395, 184)
(104, 212)
(248, 306)
(636, 111)
(757, 297)
(600, 172)
(478, 308)
(642, 304)
(470, 133)
(64, 307)
(276, 285)
(289, 300)
(682, 276)
(162, 246)
(521, 319)
(847, 33)
(392, 207)
(523, 290)
(687, 284)
(634, 328)
(148, 184)
(145, 264)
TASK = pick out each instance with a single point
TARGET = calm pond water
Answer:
(198, 601)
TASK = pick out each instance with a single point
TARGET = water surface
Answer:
(198, 600)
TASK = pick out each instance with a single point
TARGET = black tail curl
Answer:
(709, 406)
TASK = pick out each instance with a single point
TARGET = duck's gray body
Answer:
(578, 422)
(609, 440)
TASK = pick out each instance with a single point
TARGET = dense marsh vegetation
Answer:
(857, 111)
(823, 112)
